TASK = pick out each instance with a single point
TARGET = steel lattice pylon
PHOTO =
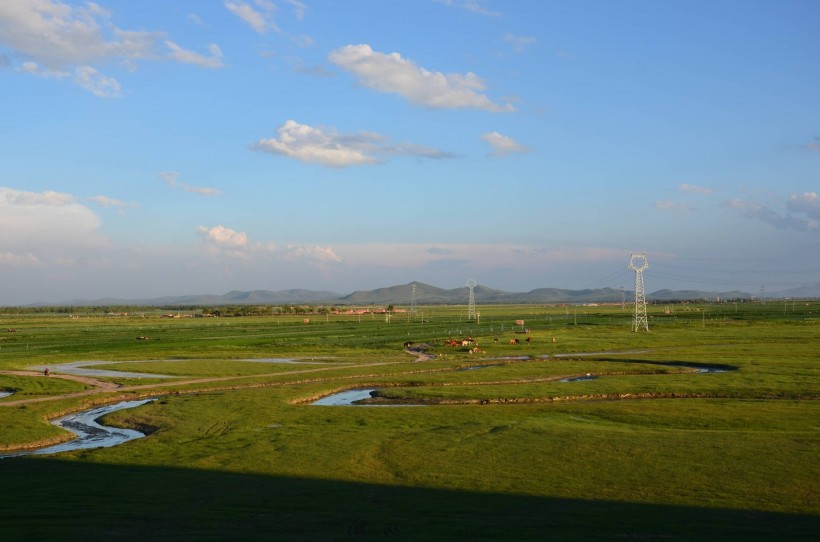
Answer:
(471, 314)
(638, 263)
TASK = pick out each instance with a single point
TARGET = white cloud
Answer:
(59, 40)
(807, 202)
(260, 18)
(503, 145)
(520, 43)
(673, 206)
(189, 57)
(393, 74)
(694, 189)
(57, 35)
(813, 147)
(765, 214)
(171, 178)
(327, 147)
(474, 6)
(480, 255)
(10, 259)
(299, 8)
(317, 253)
(47, 225)
(105, 201)
(97, 83)
(238, 245)
(224, 237)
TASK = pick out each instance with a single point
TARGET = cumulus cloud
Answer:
(224, 237)
(59, 40)
(503, 145)
(171, 178)
(765, 214)
(327, 147)
(694, 189)
(46, 226)
(237, 244)
(259, 16)
(391, 73)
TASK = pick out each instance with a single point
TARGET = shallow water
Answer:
(578, 378)
(78, 368)
(345, 398)
(5, 393)
(90, 434)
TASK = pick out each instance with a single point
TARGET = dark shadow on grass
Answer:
(54, 499)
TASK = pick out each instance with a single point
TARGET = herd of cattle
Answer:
(469, 341)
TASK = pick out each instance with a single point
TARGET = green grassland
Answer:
(494, 447)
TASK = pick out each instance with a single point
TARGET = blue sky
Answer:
(179, 147)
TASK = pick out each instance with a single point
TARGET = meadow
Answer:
(704, 428)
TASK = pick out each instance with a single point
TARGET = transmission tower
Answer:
(471, 314)
(638, 262)
(413, 300)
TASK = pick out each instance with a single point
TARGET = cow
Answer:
(513, 341)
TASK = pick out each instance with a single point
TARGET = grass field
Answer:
(501, 449)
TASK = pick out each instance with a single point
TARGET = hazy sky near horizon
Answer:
(200, 146)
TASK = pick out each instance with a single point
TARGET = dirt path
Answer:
(83, 379)
(107, 387)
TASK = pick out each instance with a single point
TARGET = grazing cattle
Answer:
(495, 340)
(12, 330)
(529, 340)
(408, 344)
(513, 341)
(553, 340)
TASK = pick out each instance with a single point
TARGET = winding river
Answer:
(90, 434)
(350, 397)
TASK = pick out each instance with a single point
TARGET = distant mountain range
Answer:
(427, 294)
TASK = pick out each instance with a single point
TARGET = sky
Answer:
(162, 147)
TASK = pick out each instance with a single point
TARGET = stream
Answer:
(90, 434)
